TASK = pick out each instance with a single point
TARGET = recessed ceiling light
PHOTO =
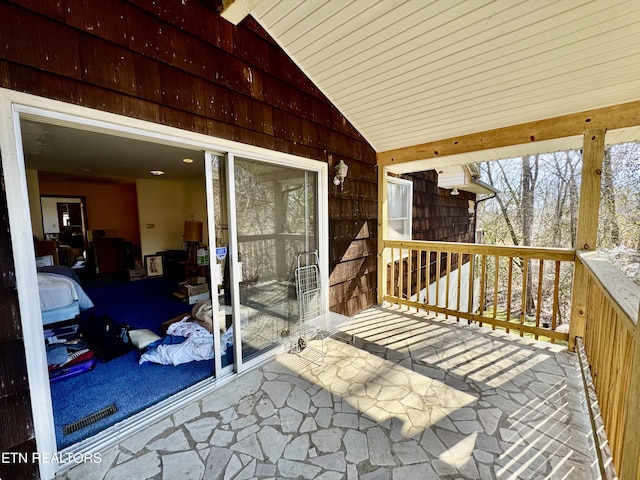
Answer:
(157, 173)
(187, 160)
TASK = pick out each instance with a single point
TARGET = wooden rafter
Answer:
(607, 118)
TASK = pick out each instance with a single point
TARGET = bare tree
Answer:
(610, 230)
(529, 179)
(501, 203)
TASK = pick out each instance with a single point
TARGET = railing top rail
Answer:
(620, 289)
(565, 254)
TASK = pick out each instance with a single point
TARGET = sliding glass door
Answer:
(270, 225)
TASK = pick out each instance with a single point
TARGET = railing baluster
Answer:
(472, 261)
(556, 299)
(495, 289)
(459, 270)
(428, 275)
(401, 273)
(523, 311)
(409, 273)
(393, 272)
(539, 302)
(509, 290)
(483, 286)
(446, 298)
(437, 299)
(419, 276)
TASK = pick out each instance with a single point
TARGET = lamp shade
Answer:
(192, 231)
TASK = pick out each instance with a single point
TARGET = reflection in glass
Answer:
(276, 221)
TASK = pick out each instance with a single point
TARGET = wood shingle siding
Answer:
(16, 423)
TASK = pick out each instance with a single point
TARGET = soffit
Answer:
(411, 72)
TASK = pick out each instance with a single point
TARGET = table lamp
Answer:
(193, 238)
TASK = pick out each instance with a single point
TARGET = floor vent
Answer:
(88, 420)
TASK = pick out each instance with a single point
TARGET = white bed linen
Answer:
(59, 291)
(197, 346)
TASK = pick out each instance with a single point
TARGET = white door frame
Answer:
(16, 105)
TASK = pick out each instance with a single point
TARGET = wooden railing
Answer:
(612, 346)
(515, 288)
(494, 285)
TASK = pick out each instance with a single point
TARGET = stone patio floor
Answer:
(413, 398)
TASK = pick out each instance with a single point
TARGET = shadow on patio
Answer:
(413, 398)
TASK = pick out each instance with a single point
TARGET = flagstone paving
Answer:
(413, 398)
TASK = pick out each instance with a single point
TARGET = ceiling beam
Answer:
(608, 118)
(234, 11)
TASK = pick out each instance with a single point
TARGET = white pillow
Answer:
(142, 338)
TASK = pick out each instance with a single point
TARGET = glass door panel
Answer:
(276, 216)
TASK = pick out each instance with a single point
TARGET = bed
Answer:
(61, 296)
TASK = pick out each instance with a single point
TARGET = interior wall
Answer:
(50, 212)
(110, 206)
(33, 185)
(163, 206)
(194, 196)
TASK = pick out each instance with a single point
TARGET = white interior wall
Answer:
(33, 186)
(50, 212)
(194, 204)
(163, 206)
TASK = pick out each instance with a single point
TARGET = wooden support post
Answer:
(630, 465)
(382, 233)
(592, 156)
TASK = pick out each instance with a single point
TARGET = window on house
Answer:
(400, 208)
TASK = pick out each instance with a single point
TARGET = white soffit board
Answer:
(623, 135)
(415, 71)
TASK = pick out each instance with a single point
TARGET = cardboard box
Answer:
(192, 299)
(136, 274)
(190, 288)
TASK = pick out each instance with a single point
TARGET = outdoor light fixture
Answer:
(455, 191)
(341, 174)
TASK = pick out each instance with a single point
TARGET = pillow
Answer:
(142, 338)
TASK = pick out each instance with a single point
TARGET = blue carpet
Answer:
(122, 381)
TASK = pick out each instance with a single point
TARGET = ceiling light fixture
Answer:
(157, 173)
(187, 160)
(455, 191)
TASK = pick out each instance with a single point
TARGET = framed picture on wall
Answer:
(153, 264)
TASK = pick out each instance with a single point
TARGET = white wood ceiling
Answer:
(406, 72)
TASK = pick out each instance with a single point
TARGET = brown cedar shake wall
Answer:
(16, 424)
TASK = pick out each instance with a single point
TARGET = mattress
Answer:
(61, 297)
(61, 313)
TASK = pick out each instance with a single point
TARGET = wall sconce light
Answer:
(341, 174)
(455, 192)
